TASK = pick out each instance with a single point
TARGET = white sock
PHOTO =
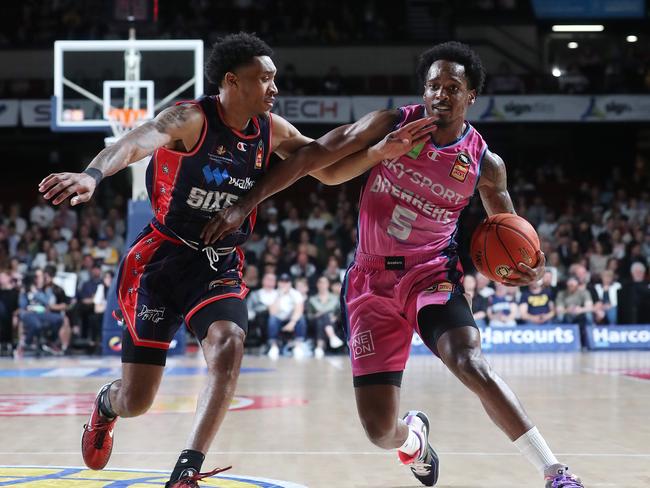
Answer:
(533, 446)
(412, 443)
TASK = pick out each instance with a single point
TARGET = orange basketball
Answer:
(500, 243)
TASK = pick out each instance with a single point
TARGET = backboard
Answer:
(97, 83)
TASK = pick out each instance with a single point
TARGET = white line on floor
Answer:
(332, 453)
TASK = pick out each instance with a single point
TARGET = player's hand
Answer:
(527, 274)
(402, 140)
(223, 223)
(290, 327)
(59, 186)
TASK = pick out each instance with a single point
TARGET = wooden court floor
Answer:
(295, 420)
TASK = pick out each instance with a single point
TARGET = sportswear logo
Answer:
(443, 287)
(241, 146)
(415, 152)
(232, 282)
(216, 175)
(503, 270)
(362, 345)
(461, 167)
(241, 183)
(155, 315)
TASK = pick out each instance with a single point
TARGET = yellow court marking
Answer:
(60, 477)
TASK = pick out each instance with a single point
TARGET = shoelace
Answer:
(101, 428)
(421, 468)
(566, 481)
(191, 482)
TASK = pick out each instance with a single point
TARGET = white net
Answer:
(123, 120)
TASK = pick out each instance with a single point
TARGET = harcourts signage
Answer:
(618, 337)
(522, 338)
(531, 338)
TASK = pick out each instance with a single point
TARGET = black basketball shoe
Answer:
(424, 464)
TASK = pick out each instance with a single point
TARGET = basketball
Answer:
(500, 243)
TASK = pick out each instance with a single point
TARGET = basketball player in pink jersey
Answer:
(406, 275)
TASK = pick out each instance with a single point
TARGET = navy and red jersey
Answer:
(187, 188)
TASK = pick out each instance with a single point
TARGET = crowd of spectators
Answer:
(603, 64)
(57, 264)
(38, 24)
(56, 269)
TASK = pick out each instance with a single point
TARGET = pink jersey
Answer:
(411, 205)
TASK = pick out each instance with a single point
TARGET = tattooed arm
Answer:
(493, 188)
(180, 125)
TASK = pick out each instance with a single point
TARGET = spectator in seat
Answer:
(324, 309)
(479, 302)
(483, 287)
(35, 314)
(84, 308)
(42, 214)
(502, 309)
(100, 302)
(252, 277)
(286, 314)
(9, 294)
(536, 305)
(574, 305)
(333, 271)
(258, 303)
(303, 268)
(605, 296)
(58, 305)
(634, 297)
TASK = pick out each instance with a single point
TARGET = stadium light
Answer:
(579, 28)
(631, 38)
(556, 72)
(573, 45)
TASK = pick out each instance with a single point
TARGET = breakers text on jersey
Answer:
(210, 201)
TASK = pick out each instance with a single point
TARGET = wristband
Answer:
(95, 174)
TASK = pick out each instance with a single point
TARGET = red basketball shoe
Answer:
(97, 439)
(189, 478)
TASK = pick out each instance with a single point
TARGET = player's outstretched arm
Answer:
(393, 145)
(356, 148)
(179, 123)
(493, 188)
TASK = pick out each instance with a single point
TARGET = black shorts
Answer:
(433, 321)
(163, 282)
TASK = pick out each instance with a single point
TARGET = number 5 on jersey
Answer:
(401, 223)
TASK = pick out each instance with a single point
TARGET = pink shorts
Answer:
(382, 306)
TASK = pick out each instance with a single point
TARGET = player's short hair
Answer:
(456, 52)
(231, 52)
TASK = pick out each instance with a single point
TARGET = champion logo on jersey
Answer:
(216, 175)
(259, 155)
(241, 146)
(460, 170)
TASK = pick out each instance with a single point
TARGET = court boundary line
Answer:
(329, 453)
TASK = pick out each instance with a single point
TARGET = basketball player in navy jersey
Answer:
(207, 154)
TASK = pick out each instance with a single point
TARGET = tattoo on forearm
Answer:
(173, 118)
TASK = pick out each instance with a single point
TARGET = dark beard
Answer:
(442, 124)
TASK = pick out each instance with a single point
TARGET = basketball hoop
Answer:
(123, 120)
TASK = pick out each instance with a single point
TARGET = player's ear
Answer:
(230, 79)
(472, 97)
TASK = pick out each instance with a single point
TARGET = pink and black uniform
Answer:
(168, 276)
(406, 260)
